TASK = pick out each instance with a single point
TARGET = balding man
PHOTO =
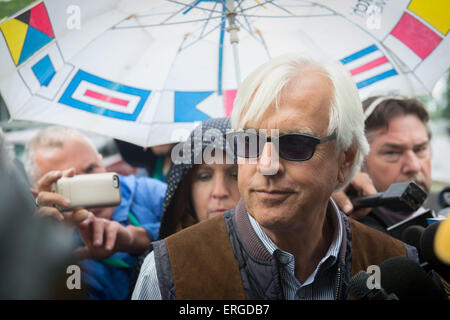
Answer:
(112, 236)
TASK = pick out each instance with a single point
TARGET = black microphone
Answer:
(408, 281)
(361, 290)
(428, 253)
(412, 234)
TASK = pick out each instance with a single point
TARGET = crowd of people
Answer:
(271, 217)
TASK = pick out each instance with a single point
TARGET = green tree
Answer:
(7, 8)
(446, 99)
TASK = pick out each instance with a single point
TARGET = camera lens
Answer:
(115, 181)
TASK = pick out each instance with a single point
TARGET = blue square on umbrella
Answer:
(44, 71)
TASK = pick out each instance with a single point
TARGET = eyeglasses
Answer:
(291, 146)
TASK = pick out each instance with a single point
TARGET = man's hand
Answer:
(363, 186)
(103, 237)
(48, 200)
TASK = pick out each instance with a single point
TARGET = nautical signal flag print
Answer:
(103, 97)
(368, 66)
(27, 33)
(421, 39)
(420, 31)
(435, 12)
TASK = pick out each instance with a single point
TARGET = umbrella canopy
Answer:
(147, 72)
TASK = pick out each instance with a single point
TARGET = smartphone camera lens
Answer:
(115, 181)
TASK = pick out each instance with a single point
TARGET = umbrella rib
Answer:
(293, 16)
(276, 5)
(249, 30)
(223, 3)
(207, 21)
(201, 37)
(146, 15)
(259, 39)
(192, 6)
(258, 5)
(174, 14)
(417, 78)
(244, 16)
(387, 53)
(280, 7)
(166, 24)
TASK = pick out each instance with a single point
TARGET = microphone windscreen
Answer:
(442, 241)
(427, 251)
(358, 283)
(408, 280)
(412, 235)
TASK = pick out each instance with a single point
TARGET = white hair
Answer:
(263, 87)
(49, 138)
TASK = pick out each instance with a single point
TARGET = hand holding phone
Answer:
(89, 190)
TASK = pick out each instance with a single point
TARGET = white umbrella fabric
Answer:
(147, 71)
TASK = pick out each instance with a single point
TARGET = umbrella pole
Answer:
(234, 39)
(236, 65)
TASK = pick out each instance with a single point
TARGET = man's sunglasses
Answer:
(291, 146)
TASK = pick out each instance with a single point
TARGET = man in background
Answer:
(397, 131)
(112, 237)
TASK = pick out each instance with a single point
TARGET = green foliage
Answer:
(438, 106)
(446, 98)
(8, 8)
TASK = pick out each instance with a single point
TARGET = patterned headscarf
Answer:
(177, 209)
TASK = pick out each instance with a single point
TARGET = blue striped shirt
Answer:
(320, 285)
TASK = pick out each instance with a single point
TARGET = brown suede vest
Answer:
(204, 265)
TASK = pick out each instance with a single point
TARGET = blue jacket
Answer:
(142, 196)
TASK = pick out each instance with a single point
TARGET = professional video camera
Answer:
(399, 197)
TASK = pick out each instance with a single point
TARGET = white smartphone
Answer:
(94, 190)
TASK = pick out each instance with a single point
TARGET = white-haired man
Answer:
(286, 238)
(112, 236)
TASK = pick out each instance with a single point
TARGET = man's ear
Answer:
(345, 161)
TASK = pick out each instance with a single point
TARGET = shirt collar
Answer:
(333, 250)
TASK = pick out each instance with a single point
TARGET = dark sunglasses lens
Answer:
(246, 144)
(296, 147)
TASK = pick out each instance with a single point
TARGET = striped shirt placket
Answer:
(323, 283)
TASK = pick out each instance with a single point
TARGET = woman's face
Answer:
(214, 189)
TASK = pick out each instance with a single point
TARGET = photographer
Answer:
(112, 236)
(397, 131)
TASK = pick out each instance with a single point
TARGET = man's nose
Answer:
(411, 163)
(268, 162)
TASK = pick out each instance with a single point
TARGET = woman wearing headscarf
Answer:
(198, 189)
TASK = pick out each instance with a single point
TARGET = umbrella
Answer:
(147, 72)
